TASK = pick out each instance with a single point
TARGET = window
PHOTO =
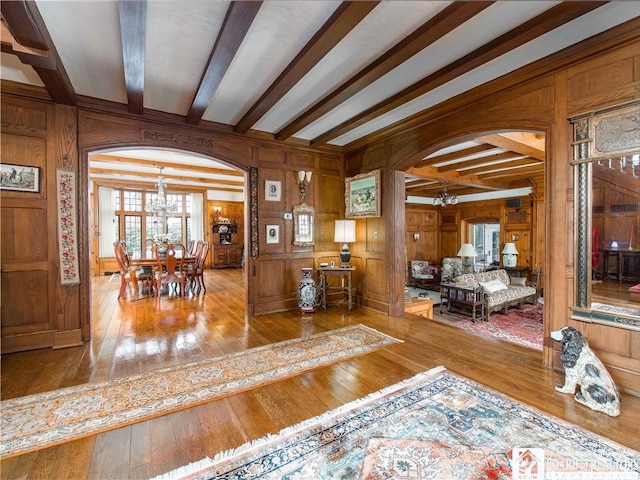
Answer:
(485, 237)
(135, 225)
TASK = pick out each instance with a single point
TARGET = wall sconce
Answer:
(416, 237)
(303, 180)
(468, 254)
(345, 233)
(509, 255)
(217, 209)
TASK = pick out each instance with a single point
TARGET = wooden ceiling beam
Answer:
(25, 24)
(505, 166)
(341, 22)
(154, 176)
(537, 26)
(514, 145)
(480, 161)
(453, 178)
(435, 28)
(234, 28)
(136, 185)
(133, 23)
(447, 157)
(155, 163)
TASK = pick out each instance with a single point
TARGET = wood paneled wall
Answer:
(37, 311)
(539, 97)
(441, 239)
(605, 75)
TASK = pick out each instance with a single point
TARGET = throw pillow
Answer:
(493, 286)
(519, 281)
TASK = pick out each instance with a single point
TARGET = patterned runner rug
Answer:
(522, 326)
(436, 425)
(42, 420)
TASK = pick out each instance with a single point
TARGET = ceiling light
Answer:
(159, 205)
(444, 198)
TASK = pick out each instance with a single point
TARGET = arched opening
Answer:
(133, 173)
(485, 189)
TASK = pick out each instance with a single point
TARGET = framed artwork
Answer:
(273, 233)
(19, 178)
(362, 195)
(272, 191)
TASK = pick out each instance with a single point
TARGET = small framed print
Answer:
(19, 178)
(273, 233)
(272, 191)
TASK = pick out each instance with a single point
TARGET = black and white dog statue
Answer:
(582, 367)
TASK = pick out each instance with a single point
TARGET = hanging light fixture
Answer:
(159, 205)
(444, 198)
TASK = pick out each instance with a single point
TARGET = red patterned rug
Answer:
(521, 326)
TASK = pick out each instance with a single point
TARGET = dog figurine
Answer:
(582, 367)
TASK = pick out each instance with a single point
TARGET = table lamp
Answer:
(468, 253)
(345, 233)
(509, 255)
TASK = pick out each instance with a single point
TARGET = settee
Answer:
(500, 291)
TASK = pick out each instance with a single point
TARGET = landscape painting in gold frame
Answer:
(362, 195)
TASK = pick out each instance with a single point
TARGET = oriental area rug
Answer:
(42, 420)
(522, 326)
(436, 425)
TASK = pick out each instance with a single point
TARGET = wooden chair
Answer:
(169, 270)
(196, 270)
(129, 275)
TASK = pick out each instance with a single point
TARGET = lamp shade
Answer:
(467, 250)
(345, 231)
(510, 248)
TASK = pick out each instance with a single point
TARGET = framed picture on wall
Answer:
(362, 195)
(272, 191)
(19, 178)
(273, 233)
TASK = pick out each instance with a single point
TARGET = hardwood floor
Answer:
(136, 336)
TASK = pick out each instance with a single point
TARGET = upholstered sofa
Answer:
(500, 290)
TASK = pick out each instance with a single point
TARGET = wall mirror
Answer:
(607, 216)
(303, 218)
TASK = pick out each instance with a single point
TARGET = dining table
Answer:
(148, 259)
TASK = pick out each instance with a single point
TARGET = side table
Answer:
(344, 275)
(458, 297)
(420, 306)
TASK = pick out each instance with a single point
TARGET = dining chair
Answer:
(196, 270)
(169, 270)
(129, 274)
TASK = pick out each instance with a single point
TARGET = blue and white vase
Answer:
(307, 291)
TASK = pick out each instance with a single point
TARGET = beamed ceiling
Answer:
(322, 73)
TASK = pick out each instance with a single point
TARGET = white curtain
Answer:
(106, 224)
(197, 214)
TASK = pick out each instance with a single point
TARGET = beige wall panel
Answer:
(24, 235)
(605, 81)
(373, 232)
(22, 117)
(329, 196)
(23, 308)
(376, 280)
(274, 275)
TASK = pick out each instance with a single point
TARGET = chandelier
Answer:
(444, 198)
(159, 205)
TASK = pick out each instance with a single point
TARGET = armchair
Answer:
(421, 274)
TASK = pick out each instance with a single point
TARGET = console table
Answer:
(462, 298)
(627, 265)
(343, 274)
